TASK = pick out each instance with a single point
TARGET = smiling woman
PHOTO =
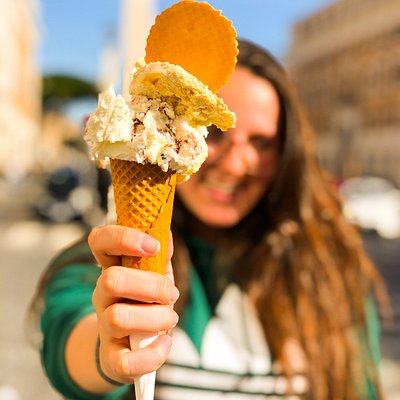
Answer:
(241, 162)
(277, 296)
(271, 223)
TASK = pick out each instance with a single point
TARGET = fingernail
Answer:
(175, 320)
(174, 294)
(149, 245)
(167, 339)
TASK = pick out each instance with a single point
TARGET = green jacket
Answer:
(68, 298)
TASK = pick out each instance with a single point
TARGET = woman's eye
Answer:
(261, 143)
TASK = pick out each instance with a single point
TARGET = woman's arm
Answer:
(126, 301)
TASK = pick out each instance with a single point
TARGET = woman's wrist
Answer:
(100, 371)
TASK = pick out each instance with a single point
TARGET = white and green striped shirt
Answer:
(230, 360)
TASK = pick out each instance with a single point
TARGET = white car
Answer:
(372, 203)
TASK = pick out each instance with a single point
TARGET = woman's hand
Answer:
(129, 301)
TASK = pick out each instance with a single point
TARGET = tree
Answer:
(59, 89)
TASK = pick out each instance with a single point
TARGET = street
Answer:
(27, 245)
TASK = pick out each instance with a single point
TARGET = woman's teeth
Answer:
(224, 187)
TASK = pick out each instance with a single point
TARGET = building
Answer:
(345, 60)
(20, 100)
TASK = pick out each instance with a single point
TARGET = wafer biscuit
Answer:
(198, 38)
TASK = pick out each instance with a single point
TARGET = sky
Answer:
(74, 32)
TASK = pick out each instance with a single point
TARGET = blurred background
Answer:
(56, 56)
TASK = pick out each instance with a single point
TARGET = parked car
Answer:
(372, 203)
(67, 196)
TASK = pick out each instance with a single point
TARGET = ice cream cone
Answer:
(183, 36)
(144, 196)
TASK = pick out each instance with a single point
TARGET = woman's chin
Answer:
(220, 219)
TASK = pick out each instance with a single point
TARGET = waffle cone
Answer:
(188, 34)
(144, 196)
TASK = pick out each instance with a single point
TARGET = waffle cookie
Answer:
(198, 38)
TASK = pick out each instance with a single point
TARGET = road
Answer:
(27, 245)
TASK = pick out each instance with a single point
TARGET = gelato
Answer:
(164, 123)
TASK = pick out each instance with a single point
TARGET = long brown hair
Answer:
(308, 275)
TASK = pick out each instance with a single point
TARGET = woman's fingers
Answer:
(122, 319)
(117, 283)
(123, 365)
(109, 242)
(128, 301)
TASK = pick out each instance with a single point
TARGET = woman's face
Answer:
(243, 161)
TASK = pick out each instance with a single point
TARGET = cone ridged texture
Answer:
(144, 196)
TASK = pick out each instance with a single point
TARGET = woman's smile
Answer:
(220, 190)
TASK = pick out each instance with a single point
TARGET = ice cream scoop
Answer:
(164, 123)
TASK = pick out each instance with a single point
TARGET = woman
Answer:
(276, 292)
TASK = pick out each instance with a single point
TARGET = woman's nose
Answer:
(233, 160)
